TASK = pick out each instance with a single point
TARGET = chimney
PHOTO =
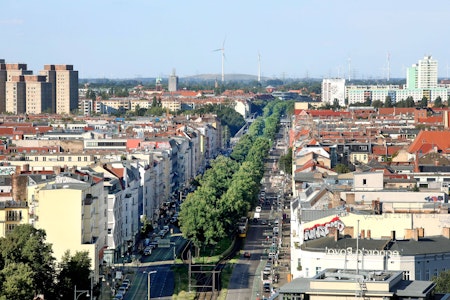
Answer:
(415, 234)
(421, 232)
(446, 232)
(363, 234)
(336, 235)
(393, 235)
(369, 234)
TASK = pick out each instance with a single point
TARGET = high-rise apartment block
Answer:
(28, 94)
(423, 75)
(54, 90)
(64, 82)
(7, 72)
(333, 89)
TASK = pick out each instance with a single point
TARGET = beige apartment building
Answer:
(64, 80)
(73, 214)
(12, 213)
(27, 94)
(7, 71)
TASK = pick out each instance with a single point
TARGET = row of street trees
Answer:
(28, 268)
(228, 190)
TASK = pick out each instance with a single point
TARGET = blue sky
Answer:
(298, 38)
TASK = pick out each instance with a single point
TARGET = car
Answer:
(263, 222)
(148, 250)
(267, 270)
(153, 245)
(266, 287)
(247, 254)
(124, 285)
(122, 290)
(127, 282)
(258, 209)
(118, 296)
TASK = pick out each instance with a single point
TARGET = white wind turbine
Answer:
(223, 59)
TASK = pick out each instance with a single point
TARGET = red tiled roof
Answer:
(427, 140)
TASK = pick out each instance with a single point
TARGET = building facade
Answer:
(333, 88)
(64, 81)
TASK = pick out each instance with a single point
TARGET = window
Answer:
(318, 270)
(406, 275)
(364, 181)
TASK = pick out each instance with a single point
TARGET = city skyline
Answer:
(120, 39)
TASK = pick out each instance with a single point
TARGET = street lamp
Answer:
(79, 292)
(148, 283)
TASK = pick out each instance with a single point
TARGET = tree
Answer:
(25, 249)
(438, 102)
(442, 282)
(336, 104)
(410, 102)
(424, 102)
(285, 162)
(341, 168)
(377, 103)
(74, 270)
(388, 102)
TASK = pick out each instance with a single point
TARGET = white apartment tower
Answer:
(423, 75)
(333, 88)
(64, 82)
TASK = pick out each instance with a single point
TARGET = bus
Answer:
(243, 226)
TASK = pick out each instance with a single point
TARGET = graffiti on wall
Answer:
(322, 230)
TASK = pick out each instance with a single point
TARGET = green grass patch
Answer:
(181, 289)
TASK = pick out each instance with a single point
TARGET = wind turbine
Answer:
(223, 58)
(259, 67)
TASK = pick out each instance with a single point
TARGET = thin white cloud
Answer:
(11, 21)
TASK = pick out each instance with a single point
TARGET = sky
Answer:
(292, 38)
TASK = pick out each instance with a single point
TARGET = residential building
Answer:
(333, 88)
(72, 211)
(64, 80)
(342, 283)
(27, 94)
(7, 71)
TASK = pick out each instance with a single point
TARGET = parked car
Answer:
(127, 282)
(118, 296)
(247, 254)
(153, 245)
(122, 290)
(148, 250)
(258, 209)
(266, 287)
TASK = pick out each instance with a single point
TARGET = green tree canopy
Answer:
(442, 282)
(25, 249)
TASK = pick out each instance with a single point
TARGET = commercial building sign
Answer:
(350, 251)
(322, 230)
